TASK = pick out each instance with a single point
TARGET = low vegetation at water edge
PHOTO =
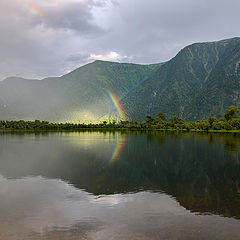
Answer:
(230, 121)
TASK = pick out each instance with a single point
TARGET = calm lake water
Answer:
(119, 185)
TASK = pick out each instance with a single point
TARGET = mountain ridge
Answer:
(78, 95)
(175, 89)
(202, 79)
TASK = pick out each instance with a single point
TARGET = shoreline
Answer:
(120, 129)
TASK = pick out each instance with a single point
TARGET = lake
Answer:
(119, 185)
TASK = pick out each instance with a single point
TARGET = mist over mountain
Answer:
(202, 79)
(81, 95)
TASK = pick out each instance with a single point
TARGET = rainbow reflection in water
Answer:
(118, 149)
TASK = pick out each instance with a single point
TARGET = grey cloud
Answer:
(78, 57)
(156, 30)
(36, 46)
(71, 31)
(73, 15)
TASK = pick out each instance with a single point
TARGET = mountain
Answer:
(202, 79)
(81, 95)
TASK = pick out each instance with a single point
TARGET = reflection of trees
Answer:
(231, 142)
(203, 177)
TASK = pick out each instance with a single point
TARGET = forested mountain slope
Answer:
(203, 79)
(81, 95)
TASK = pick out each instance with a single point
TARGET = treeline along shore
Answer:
(230, 121)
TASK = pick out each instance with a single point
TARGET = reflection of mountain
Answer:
(50, 209)
(196, 170)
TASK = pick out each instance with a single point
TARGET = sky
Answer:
(41, 38)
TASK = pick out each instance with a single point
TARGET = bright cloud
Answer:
(111, 56)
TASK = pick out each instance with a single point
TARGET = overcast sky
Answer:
(42, 38)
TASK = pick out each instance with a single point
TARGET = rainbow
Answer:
(118, 149)
(116, 104)
(31, 8)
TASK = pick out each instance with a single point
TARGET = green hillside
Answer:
(203, 79)
(78, 96)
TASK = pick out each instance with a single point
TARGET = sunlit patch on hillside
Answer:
(81, 117)
(89, 117)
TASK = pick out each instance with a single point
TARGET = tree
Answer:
(211, 120)
(175, 120)
(161, 117)
(231, 113)
(150, 119)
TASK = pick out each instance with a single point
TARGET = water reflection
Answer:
(156, 181)
(38, 208)
(118, 149)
